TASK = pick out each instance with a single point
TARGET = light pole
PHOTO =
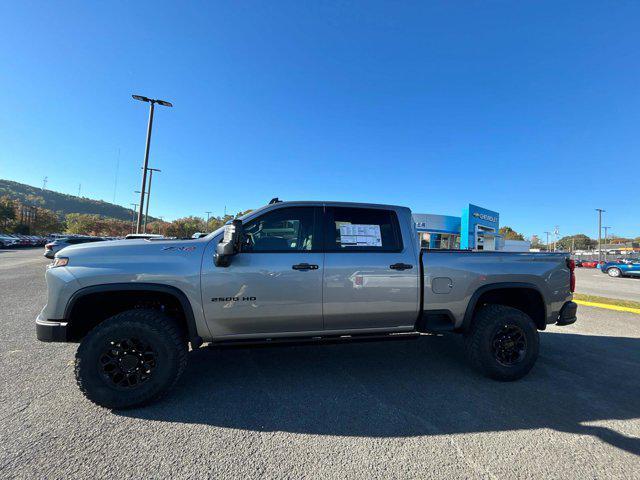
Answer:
(146, 213)
(600, 211)
(152, 102)
(207, 225)
(133, 214)
(548, 233)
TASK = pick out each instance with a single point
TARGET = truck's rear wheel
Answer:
(131, 359)
(502, 343)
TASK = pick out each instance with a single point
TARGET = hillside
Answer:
(61, 203)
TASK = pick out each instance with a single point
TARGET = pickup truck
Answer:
(292, 271)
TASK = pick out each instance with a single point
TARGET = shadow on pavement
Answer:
(407, 388)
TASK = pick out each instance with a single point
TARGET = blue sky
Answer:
(531, 109)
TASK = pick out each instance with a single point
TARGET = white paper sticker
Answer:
(354, 235)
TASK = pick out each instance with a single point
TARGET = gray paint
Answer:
(353, 292)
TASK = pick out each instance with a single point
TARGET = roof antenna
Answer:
(275, 200)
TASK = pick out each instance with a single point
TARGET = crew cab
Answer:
(292, 271)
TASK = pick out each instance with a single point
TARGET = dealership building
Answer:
(476, 229)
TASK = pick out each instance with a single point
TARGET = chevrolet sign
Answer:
(484, 216)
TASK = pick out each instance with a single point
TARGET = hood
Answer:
(142, 247)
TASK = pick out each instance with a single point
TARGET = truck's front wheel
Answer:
(131, 359)
(502, 342)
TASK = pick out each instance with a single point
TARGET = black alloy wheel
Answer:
(127, 363)
(509, 345)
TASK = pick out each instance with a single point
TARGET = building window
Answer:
(439, 241)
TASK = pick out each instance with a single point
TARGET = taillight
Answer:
(572, 271)
(49, 246)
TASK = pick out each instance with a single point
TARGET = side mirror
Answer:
(230, 244)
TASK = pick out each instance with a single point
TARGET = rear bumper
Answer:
(567, 314)
(51, 330)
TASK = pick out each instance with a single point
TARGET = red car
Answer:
(590, 263)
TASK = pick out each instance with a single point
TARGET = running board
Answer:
(314, 340)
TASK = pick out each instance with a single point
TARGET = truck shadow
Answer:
(408, 388)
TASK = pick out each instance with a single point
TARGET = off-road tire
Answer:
(488, 322)
(152, 327)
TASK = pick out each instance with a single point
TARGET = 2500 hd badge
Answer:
(233, 299)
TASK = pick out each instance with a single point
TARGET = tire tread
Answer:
(158, 321)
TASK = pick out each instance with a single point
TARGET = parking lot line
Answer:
(609, 307)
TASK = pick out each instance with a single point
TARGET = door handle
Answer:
(304, 266)
(400, 266)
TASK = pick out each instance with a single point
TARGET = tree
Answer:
(615, 240)
(86, 224)
(536, 243)
(509, 233)
(576, 242)
(185, 227)
(45, 221)
(158, 227)
(7, 211)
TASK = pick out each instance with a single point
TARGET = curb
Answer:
(608, 307)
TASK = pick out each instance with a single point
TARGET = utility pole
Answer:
(152, 102)
(547, 233)
(146, 213)
(79, 188)
(556, 230)
(133, 215)
(600, 211)
(208, 214)
(606, 229)
(44, 183)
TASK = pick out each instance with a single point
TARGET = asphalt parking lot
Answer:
(410, 409)
(592, 281)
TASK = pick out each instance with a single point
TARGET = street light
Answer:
(548, 233)
(151, 103)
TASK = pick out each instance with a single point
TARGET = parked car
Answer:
(7, 240)
(296, 271)
(589, 263)
(50, 249)
(622, 268)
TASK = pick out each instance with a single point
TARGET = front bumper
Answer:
(567, 314)
(51, 330)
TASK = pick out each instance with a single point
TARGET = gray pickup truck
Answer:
(292, 271)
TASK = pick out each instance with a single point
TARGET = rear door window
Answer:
(362, 230)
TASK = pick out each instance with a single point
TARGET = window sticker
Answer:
(354, 235)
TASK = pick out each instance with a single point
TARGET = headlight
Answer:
(60, 262)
